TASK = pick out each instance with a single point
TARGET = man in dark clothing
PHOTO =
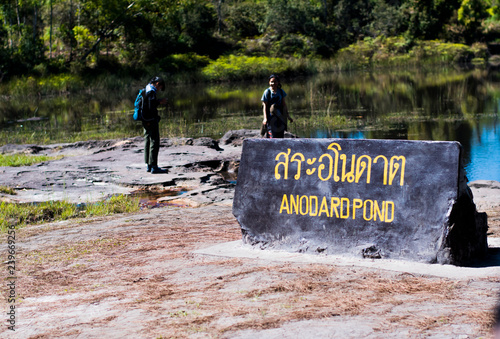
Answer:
(151, 125)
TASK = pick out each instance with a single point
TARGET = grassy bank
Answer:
(369, 53)
(396, 52)
(16, 160)
(21, 215)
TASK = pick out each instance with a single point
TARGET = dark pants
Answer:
(151, 142)
(276, 126)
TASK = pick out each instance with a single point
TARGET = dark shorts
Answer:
(276, 126)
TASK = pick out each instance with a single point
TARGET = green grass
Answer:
(7, 190)
(26, 214)
(21, 215)
(16, 160)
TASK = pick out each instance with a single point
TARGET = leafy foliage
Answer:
(53, 36)
(471, 14)
(237, 67)
(396, 50)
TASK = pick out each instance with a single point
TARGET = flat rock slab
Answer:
(93, 170)
(377, 198)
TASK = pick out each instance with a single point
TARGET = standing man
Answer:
(150, 122)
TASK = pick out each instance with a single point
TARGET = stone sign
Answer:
(375, 198)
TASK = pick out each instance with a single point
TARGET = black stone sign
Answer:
(375, 198)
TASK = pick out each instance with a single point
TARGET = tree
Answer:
(471, 15)
(104, 19)
(387, 19)
(243, 19)
(351, 19)
(427, 19)
(21, 27)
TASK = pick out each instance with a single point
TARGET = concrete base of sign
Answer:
(296, 195)
(487, 268)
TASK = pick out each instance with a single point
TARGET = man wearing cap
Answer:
(151, 125)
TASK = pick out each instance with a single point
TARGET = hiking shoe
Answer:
(149, 168)
(158, 170)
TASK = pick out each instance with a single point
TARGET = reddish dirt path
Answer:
(136, 276)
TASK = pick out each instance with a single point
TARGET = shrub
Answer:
(396, 51)
(438, 51)
(241, 67)
(184, 62)
(45, 85)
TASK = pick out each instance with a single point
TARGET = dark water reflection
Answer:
(432, 104)
(448, 106)
(480, 142)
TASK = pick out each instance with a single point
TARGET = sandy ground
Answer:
(145, 275)
(175, 272)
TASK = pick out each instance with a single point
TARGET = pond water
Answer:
(481, 150)
(419, 104)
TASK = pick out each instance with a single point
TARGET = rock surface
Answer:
(93, 170)
(203, 170)
(143, 275)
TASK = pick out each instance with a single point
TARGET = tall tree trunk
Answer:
(35, 22)
(325, 9)
(18, 19)
(71, 27)
(219, 15)
(50, 30)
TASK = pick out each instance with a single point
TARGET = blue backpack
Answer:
(139, 105)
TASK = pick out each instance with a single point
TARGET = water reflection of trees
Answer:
(406, 104)
(417, 93)
(431, 105)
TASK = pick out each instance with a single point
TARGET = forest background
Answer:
(69, 41)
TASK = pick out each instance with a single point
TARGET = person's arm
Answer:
(265, 106)
(264, 111)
